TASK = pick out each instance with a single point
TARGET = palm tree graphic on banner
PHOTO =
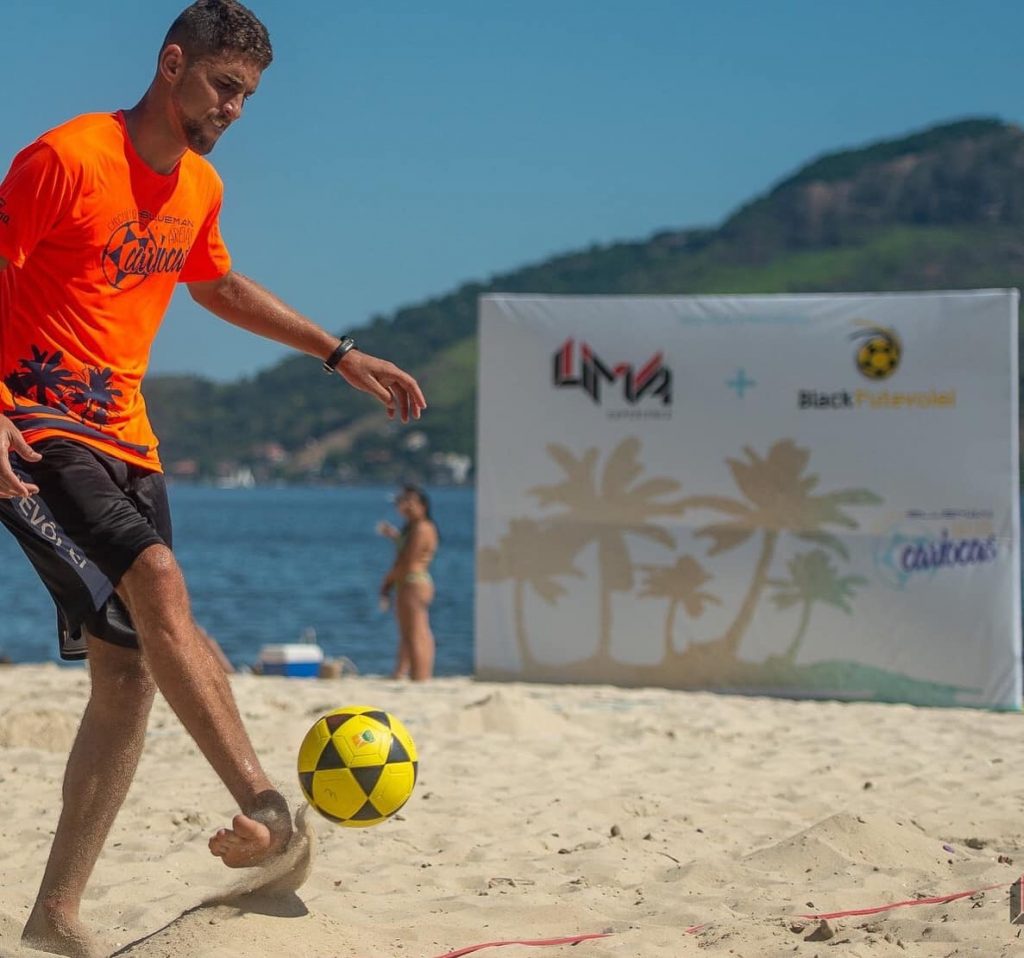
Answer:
(778, 498)
(681, 585)
(812, 579)
(530, 554)
(611, 506)
(609, 512)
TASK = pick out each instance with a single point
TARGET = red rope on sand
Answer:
(572, 940)
(937, 900)
(855, 912)
(693, 929)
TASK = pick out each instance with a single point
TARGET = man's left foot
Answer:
(55, 933)
(253, 840)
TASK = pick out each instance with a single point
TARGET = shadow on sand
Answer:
(269, 891)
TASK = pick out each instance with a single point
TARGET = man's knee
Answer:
(155, 562)
(119, 675)
(153, 578)
(154, 590)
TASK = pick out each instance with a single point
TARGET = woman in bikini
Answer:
(410, 577)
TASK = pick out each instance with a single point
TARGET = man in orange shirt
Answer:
(99, 220)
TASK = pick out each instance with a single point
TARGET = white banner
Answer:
(796, 495)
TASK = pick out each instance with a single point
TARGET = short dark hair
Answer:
(211, 27)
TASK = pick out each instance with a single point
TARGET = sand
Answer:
(545, 811)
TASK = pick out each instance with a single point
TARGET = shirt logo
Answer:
(136, 250)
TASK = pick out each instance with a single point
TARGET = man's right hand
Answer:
(393, 387)
(11, 440)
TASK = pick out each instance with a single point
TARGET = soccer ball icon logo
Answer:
(879, 352)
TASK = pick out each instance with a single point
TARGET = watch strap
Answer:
(345, 345)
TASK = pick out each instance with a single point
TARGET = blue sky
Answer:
(397, 149)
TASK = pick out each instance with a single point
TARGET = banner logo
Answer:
(879, 353)
(590, 373)
(918, 549)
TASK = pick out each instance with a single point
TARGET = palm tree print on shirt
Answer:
(45, 380)
(95, 395)
(41, 377)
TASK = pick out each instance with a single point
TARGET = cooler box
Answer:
(299, 660)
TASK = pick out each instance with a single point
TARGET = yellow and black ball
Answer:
(357, 765)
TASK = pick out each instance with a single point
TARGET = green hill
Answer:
(942, 208)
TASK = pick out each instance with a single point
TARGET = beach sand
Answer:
(545, 811)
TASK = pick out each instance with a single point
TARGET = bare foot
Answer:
(285, 873)
(57, 934)
(256, 838)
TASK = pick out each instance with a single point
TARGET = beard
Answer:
(199, 139)
(198, 136)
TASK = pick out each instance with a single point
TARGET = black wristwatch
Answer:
(331, 362)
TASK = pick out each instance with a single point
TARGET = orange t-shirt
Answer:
(96, 241)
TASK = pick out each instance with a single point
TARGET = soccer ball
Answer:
(357, 765)
(879, 356)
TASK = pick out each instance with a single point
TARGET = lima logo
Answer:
(653, 379)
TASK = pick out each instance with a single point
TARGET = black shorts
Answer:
(91, 519)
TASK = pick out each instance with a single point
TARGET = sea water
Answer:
(276, 564)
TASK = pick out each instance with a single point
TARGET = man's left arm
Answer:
(243, 302)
